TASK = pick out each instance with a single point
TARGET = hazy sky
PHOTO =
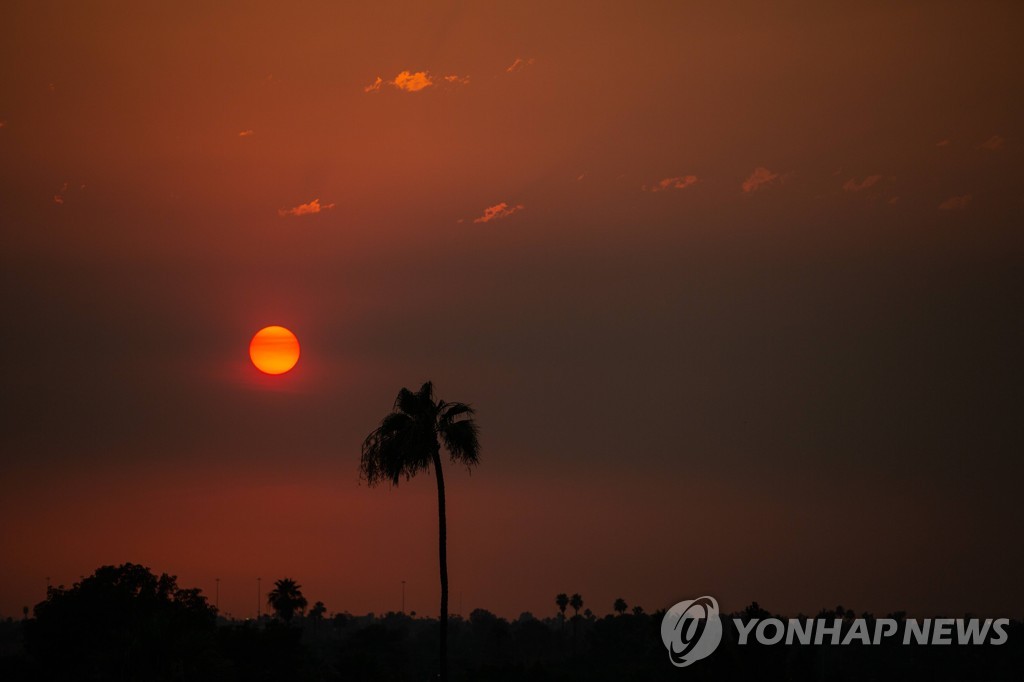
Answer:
(736, 290)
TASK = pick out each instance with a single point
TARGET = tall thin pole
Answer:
(259, 594)
(403, 597)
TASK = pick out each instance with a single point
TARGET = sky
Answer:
(735, 290)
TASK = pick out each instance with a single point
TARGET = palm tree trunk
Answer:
(443, 555)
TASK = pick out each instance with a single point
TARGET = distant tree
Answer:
(755, 612)
(588, 614)
(316, 614)
(638, 610)
(123, 623)
(620, 606)
(24, 613)
(576, 602)
(562, 600)
(408, 441)
(286, 598)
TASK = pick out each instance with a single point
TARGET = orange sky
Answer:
(735, 290)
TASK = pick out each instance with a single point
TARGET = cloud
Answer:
(993, 143)
(678, 182)
(519, 64)
(305, 209)
(498, 211)
(58, 198)
(955, 203)
(412, 82)
(246, 133)
(761, 177)
(852, 185)
(942, 143)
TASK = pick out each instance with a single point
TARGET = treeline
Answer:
(125, 623)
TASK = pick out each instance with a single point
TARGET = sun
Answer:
(274, 350)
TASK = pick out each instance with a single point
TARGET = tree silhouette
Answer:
(122, 623)
(620, 606)
(316, 614)
(576, 602)
(286, 598)
(408, 441)
(562, 599)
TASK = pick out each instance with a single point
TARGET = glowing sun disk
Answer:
(274, 350)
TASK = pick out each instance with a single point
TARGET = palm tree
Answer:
(286, 598)
(576, 602)
(620, 606)
(562, 599)
(408, 441)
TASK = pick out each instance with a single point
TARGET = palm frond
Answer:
(407, 439)
(460, 433)
(399, 447)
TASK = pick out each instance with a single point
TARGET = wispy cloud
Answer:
(58, 198)
(412, 82)
(852, 185)
(958, 203)
(942, 143)
(246, 133)
(305, 209)
(498, 211)
(519, 64)
(761, 177)
(678, 182)
(993, 143)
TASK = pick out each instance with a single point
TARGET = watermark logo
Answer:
(691, 630)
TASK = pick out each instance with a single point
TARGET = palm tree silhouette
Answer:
(286, 598)
(576, 602)
(408, 441)
(562, 599)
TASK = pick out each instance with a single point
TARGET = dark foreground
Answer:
(127, 624)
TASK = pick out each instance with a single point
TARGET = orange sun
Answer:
(274, 350)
